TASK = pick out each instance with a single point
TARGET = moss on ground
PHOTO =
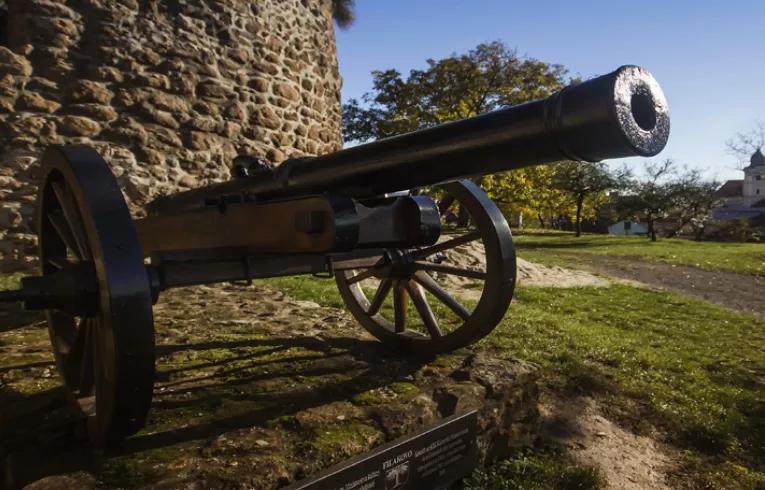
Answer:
(336, 442)
(140, 469)
(394, 392)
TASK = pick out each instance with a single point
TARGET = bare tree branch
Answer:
(743, 145)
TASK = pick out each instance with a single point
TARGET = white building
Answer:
(627, 227)
(744, 199)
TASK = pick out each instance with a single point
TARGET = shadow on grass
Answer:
(13, 317)
(580, 243)
(345, 366)
(271, 382)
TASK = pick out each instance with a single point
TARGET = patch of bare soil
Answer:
(531, 274)
(626, 461)
(472, 256)
(742, 292)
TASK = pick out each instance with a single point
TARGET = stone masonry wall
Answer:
(168, 91)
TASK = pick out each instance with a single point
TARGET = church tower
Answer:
(754, 177)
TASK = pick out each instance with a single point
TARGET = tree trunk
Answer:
(579, 205)
(463, 217)
(541, 220)
(651, 230)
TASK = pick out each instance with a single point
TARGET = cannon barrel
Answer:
(621, 114)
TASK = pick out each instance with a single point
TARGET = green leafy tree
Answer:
(587, 183)
(529, 192)
(652, 197)
(694, 200)
(342, 11)
(491, 76)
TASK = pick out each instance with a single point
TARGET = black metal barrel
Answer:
(621, 114)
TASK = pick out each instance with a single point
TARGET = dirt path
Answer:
(741, 292)
(626, 461)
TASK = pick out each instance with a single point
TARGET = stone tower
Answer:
(168, 91)
(754, 177)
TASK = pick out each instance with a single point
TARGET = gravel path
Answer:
(741, 292)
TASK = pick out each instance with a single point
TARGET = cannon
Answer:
(397, 223)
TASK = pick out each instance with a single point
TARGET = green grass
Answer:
(747, 258)
(656, 360)
(691, 369)
(536, 470)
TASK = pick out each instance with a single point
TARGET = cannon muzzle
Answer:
(621, 114)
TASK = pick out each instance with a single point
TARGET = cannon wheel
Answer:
(433, 275)
(106, 358)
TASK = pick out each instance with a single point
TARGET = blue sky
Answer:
(709, 56)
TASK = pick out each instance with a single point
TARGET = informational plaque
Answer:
(432, 458)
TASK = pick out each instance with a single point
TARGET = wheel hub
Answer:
(400, 264)
(73, 289)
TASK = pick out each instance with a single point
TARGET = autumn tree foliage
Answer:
(587, 181)
(492, 76)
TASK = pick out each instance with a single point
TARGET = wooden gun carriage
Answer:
(393, 252)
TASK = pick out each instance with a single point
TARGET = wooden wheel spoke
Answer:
(382, 292)
(60, 224)
(87, 363)
(445, 204)
(448, 244)
(72, 216)
(399, 306)
(100, 354)
(79, 346)
(59, 262)
(361, 276)
(448, 269)
(423, 308)
(64, 331)
(440, 293)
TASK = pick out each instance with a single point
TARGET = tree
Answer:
(342, 11)
(743, 145)
(489, 77)
(653, 196)
(528, 192)
(695, 198)
(583, 180)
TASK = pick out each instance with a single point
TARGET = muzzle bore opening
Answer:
(643, 110)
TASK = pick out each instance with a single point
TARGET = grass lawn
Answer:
(747, 258)
(656, 360)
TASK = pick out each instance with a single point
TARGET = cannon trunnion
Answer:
(424, 261)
